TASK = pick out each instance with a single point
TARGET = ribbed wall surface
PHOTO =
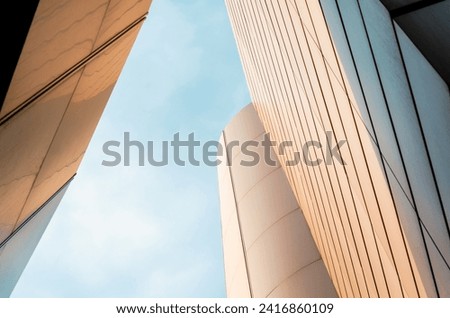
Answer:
(268, 247)
(381, 220)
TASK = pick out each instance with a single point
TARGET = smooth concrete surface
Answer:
(268, 247)
(119, 16)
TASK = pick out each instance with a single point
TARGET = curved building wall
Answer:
(268, 247)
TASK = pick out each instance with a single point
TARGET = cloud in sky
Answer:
(147, 231)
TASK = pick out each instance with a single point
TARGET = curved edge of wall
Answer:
(268, 247)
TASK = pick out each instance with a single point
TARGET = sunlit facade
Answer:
(62, 64)
(268, 247)
(373, 76)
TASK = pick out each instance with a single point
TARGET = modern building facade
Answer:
(64, 60)
(268, 246)
(372, 77)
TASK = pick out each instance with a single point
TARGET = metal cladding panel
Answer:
(70, 61)
(63, 36)
(341, 70)
(15, 253)
(79, 122)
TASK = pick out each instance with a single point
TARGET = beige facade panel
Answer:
(120, 16)
(310, 282)
(266, 233)
(330, 71)
(235, 267)
(241, 127)
(79, 122)
(279, 252)
(227, 204)
(71, 59)
(260, 212)
(24, 142)
(61, 34)
(245, 174)
(238, 286)
(234, 253)
(43, 144)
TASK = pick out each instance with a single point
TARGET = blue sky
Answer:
(144, 231)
